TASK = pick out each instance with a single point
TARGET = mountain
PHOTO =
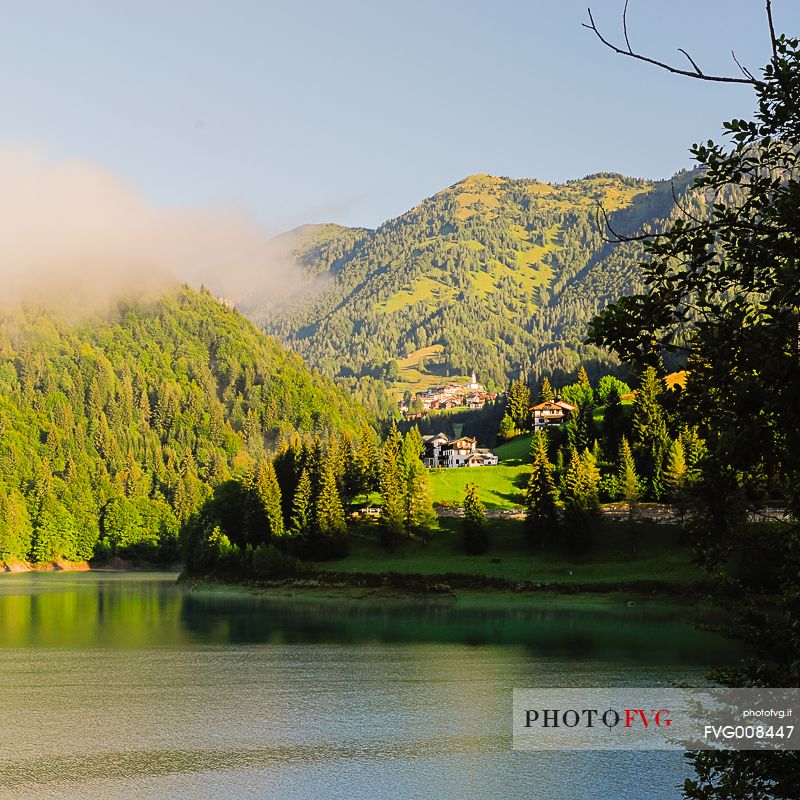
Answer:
(113, 429)
(493, 275)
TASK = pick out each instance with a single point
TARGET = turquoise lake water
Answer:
(128, 686)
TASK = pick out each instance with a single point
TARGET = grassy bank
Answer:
(620, 554)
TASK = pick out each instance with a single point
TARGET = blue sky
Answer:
(354, 111)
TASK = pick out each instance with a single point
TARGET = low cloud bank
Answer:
(72, 235)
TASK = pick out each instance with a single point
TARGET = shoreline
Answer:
(447, 589)
(15, 566)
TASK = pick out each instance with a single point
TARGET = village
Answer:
(471, 395)
(443, 451)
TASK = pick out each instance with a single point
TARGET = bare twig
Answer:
(745, 72)
(624, 25)
(691, 61)
(694, 73)
(683, 209)
(618, 237)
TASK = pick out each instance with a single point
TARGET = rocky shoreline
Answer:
(58, 565)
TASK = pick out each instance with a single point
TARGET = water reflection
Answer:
(144, 610)
(126, 686)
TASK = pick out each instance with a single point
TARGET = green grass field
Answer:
(658, 556)
(516, 451)
(498, 487)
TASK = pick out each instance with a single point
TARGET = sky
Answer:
(352, 112)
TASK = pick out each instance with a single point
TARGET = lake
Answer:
(124, 685)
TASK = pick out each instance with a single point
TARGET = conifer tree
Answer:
(328, 512)
(419, 513)
(694, 450)
(351, 474)
(546, 393)
(581, 502)
(301, 506)
(475, 525)
(650, 439)
(268, 494)
(394, 441)
(627, 479)
(392, 499)
(368, 461)
(541, 495)
(518, 403)
(335, 459)
(675, 470)
(584, 426)
(312, 461)
(412, 448)
(613, 420)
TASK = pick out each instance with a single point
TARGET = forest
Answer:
(115, 429)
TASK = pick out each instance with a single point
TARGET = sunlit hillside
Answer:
(492, 274)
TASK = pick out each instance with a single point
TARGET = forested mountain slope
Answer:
(116, 428)
(503, 275)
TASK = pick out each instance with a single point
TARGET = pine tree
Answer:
(368, 461)
(392, 499)
(590, 481)
(312, 461)
(268, 495)
(650, 439)
(546, 393)
(412, 448)
(541, 495)
(394, 441)
(581, 506)
(627, 480)
(613, 420)
(419, 513)
(301, 506)
(584, 426)
(694, 449)
(351, 476)
(328, 512)
(335, 459)
(475, 526)
(518, 403)
(675, 471)
(583, 378)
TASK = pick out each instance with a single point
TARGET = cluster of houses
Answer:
(463, 451)
(454, 395)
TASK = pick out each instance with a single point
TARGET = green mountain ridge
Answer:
(492, 274)
(114, 429)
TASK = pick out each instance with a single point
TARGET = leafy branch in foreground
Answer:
(726, 288)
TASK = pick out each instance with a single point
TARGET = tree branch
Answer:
(772, 37)
(745, 72)
(695, 73)
(618, 237)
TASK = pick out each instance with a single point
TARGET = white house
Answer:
(441, 451)
(551, 412)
